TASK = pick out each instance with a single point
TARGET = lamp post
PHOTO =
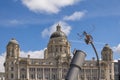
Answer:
(89, 40)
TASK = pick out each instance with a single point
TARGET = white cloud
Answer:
(64, 26)
(2, 60)
(15, 22)
(11, 22)
(75, 16)
(117, 48)
(33, 54)
(49, 6)
(115, 60)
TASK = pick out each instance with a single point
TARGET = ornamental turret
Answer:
(12, 49)
(107, 53)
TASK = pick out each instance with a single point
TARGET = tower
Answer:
(107, 58)
(107, 53)
(12, 49)
(58, 46)
(58, 50)
(12, 55)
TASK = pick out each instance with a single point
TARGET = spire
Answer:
(58, 27)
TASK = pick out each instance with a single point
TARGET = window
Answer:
(32, 76)
(61, 48)
(39, 76)
(23, 76)
(12, 68)
(39, 69)
(54, 70)
(32, 61)
(56, 49)
(47, 76)
(110, 70)
(64, 70)
(47, 69)
(54, 76)
(32, 69)
(12, 62)
(110, 77)
(12, 76)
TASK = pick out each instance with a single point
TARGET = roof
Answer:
(13, 41)
(58, 33)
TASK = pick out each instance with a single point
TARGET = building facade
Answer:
(116, 72)
(54, 66)
(90, 67)
(2, 76)
(56, 62)
(119, 69)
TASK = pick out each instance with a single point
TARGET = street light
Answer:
(78, 60)
(89, 40)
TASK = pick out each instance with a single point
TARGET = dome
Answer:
(13, 41)
(58, 33)
(106, 47)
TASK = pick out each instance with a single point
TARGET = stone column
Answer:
(43, 74)
(60, 74)
(35, 73)
(18, 70)
(27, 73)
(50, 73)
(112, 70)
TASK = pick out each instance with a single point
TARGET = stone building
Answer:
(54, 66)
(90, 69)
(2, 76)
(116, 70)
(56, 62)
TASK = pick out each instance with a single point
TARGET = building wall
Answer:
(2, 76)
(56, 62)
(119, 69)
(116, 71)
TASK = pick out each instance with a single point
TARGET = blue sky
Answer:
(31, 22)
